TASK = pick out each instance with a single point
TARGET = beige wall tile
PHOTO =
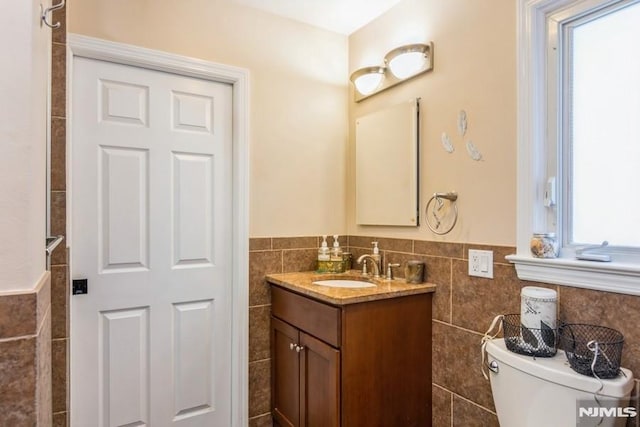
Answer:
(58, 79)
(18, 315)
(477, 300)
(441, 407)
(259, 333)
(262, 421)
(58, 154)
(395, 245)
(18, 382)
(617, 311)
(363, 242)
(43, 385)
(456, 363)
(60, 419)
(299, 260)
(439, 272)
(59, 301)
(259, 388)
(467, 414)
(299, 242)
(442, 249)
(59, 374)
(59, 225)
(259, 243)
(261, 264)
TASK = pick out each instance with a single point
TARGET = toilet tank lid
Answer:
(557, 370)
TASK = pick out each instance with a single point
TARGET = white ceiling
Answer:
(340, 16)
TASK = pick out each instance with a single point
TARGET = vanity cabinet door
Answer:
(285, 371)
(319, 383)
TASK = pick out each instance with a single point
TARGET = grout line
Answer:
(451, 405)
(451, 292)
(260, 306)
(260, 360)
(472, 402)
(21, 337)
(458, 327)
(261, 415)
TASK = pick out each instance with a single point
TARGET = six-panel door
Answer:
(151, 224)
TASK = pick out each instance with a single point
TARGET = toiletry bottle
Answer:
(376, 255)
(323, 250)
(336, 252)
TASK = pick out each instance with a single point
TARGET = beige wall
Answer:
(302, 114)
(23, 133)
(474, 70)
(298, 96)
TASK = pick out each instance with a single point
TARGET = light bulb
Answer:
(407, 64)
(367, 80)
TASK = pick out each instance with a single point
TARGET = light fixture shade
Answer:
(367, 80)
(406, 61)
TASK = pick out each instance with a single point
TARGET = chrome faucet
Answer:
(374, 265)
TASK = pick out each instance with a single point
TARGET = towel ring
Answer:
(429, 213)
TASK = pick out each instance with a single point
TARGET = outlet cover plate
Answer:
(481, 263)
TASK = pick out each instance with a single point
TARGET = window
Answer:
(579, 140)
(600, 141)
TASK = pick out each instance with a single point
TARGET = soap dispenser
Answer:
(376, 255)
(336, 252)
(323, 250)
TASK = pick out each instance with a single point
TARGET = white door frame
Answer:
(88, 47)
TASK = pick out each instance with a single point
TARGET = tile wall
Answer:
(59, 258)
(25, 351)
(463, 310)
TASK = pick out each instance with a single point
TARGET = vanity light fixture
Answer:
(401, 64)
(367, 80)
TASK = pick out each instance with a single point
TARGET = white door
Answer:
(151, 161)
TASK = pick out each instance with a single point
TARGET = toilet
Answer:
(535, 392)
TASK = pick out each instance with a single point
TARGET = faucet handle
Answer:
(390, 268)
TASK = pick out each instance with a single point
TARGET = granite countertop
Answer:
(302, 283)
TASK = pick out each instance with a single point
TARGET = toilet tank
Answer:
(534, 392)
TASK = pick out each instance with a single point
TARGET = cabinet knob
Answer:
(299, 348)
(292, 346)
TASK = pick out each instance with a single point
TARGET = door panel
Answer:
(151, 231)
(123, 365)
(285, 371)
(320, 383)
(123, 208)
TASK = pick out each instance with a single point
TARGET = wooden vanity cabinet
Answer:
(363, 364)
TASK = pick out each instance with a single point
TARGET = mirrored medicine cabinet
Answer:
(387, 146)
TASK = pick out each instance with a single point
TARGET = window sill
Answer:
(619, 277)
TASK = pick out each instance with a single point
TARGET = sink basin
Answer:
(344, 283)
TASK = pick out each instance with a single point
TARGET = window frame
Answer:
(538, 24)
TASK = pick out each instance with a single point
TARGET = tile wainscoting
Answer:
(463, 308)
(25, 354)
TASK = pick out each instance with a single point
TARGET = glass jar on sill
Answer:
(544, 245)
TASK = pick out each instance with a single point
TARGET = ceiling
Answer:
(340, 16)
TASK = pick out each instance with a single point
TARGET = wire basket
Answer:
(592, 350)
(528, 341)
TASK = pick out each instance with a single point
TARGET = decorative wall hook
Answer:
(47, 11)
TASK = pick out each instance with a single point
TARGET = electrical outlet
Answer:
(481, 263)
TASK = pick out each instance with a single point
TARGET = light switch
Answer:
(481, 263)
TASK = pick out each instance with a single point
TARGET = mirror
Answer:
(387, 166)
